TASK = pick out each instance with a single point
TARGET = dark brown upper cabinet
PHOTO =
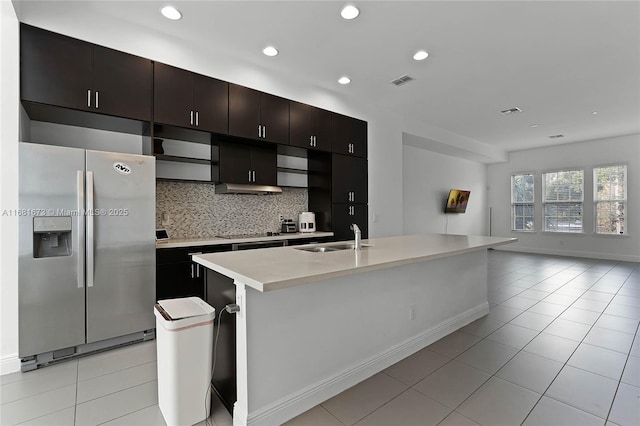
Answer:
(349, 179)
(258, 115)
(186, 99)
(62, 71)
(240, 163)
(349, 135)
(309, 127)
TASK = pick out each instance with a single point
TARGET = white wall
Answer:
(427, 178)
(619, 150)
(9, 128)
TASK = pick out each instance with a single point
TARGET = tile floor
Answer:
(559, 347)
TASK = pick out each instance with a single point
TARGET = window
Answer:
(562, 197)
(610, 199)
(522, 208)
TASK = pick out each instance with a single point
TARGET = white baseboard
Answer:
(572, 253)
(298, 402)
(9, 364)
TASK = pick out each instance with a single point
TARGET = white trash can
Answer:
(184, 340)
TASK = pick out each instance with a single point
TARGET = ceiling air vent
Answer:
(401, 80)
(510, 111)
(556, 136)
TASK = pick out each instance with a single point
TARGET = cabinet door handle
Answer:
(89, 98)
(197, 118)
(191, 117)
(254, 176)
(97, 94)
(259, 131)
(310, 140)
(315, 142)
(264, 132)
(192, 274)
(197, 271)
(249, 176)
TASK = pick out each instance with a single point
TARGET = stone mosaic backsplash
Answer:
(195, 210)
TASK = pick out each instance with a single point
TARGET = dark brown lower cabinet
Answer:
(221, 291)
(177, 276)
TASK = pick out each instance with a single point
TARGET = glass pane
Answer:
(563, 185)
(522, 188)
(610, 217)
(609, 183)
(563, 217)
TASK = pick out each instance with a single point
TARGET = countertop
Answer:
(281, 267)
(211, 241)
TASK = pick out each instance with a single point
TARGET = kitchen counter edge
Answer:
(211, 241)
(291, 278)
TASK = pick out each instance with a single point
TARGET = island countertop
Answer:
(281, 267)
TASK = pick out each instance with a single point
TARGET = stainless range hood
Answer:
(240, 188)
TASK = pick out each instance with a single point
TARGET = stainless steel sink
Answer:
(328, 248)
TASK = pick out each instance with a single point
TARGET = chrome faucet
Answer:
(358, 236)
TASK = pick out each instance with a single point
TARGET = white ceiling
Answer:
(558, 61)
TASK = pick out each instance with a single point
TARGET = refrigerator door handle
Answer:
(81, 230)
(90, 229)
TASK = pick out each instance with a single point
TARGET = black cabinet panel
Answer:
(173, 95)
(122, 84)
(309, 127)
(349, 179)
(211, 102)
(177, 275)
(182, 279)
(343, 215)
(235, 163)
(64, 72)
(274, 117)
(244, 112)
(55, 69)
(349, 136)
(257, 115)
(186, 99)
(240, 163)
(220, 292)
(264, 164)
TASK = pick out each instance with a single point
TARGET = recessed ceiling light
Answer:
(350, 12)
(171, 12)
(594, 112)
(534, 125)
(270, 51)
(421, 55)
(344, 80)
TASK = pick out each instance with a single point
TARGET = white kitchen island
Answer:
(312, 324)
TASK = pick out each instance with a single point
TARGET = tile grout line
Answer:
(522, 349)
(635, 338)
(574, 351)
(75, 406)
(494, 374)
(119, 417)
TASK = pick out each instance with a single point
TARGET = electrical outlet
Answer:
(281, 218)
(412, 312)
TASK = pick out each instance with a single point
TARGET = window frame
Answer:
(545, 202)
(515, 203)
(596, 200)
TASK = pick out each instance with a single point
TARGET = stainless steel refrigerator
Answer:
(86, 251)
